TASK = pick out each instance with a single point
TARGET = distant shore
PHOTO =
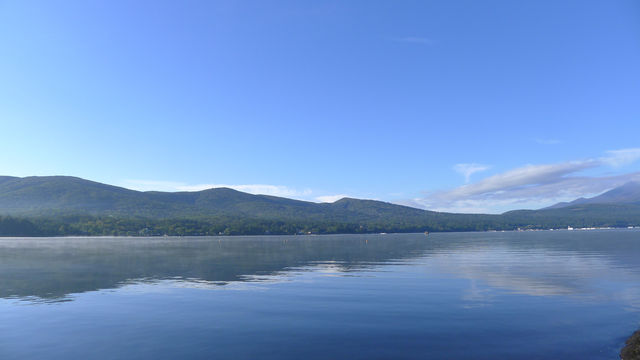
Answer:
(137, 235)
(632, 349)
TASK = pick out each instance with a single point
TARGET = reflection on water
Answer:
(55, 268)
(493, 295)
(591, 266)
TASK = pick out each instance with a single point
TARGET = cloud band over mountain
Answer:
(533, 186)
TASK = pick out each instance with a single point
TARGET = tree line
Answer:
(86, 225)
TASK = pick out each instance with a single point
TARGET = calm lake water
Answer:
(527, 295)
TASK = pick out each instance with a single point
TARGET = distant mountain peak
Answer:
(627, 193)
(630, 185)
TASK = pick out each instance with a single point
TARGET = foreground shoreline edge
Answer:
(631, 351)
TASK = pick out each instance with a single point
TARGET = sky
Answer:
(465, 106)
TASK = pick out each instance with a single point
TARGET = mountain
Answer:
(578, 216)
(72, 205)
(64, 195)
(60, 195)
(63, 205)
(619, 207)
(626, 194)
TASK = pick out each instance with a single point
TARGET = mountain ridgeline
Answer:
(628, 193)
(62, 205)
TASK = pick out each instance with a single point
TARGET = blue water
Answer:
(514, 295)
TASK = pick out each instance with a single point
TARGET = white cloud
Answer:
(529, 186)
(622, 157)
(330, 198)
(469, 169)
(151, 185)
(258, 189)
(532, 186)
(263, 189)
(523, 176)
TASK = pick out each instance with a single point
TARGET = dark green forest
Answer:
(63, 206)
(233, 225)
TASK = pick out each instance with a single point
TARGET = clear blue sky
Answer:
(375, 99)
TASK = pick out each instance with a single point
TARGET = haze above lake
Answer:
(534, 295)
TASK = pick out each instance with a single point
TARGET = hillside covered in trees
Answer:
(56, 206)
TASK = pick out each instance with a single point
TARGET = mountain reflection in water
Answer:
(548, 294)
(53, 268)
(540, 263)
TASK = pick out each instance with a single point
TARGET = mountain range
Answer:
(628, 193)
(63, 205)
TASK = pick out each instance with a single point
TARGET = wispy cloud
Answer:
(617, 158)
(258, 189)
(330, 198)
(413, 40)
(533, 186)
(469, 169)
(263, 189)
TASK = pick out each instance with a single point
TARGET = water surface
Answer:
(527, 295)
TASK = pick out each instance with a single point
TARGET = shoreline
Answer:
(311, 234)
(631, 351)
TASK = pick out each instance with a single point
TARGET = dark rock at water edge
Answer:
(632, 349)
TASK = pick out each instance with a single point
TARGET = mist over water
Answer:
(548, 294)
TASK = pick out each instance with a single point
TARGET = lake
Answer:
(510, 295)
